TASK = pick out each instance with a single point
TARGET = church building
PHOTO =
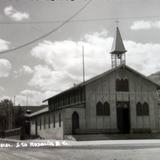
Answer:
(121, 100)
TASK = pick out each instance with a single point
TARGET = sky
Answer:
(53, 64)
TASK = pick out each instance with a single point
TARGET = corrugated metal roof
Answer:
(44, 110)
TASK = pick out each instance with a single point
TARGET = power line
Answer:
(47, 34)
(81, 20)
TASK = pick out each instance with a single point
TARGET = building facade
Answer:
(120, 100)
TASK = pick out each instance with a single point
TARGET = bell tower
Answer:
(118, 51)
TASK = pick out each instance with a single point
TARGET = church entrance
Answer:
(123, 117)
(75, 122)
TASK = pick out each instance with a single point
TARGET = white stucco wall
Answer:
(48, 132)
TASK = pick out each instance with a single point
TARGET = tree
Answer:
(6, 114)
(19, 117)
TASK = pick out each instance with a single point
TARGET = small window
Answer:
(142, 110)
(122, 85)
(106, 109)
(59, 119)
(145, 109)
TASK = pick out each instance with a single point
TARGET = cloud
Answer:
(63, 60)
(32, 97)
(26, 97)
(45, 78)
(67, 55)
(143, 57)
(5, 97)
(14, 14)
(4, 45)
(24, 70)
(5, 67)
(29, 97)
(145, 25)
(27, 69)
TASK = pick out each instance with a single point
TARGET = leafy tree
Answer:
(6, 114)
(19, 117)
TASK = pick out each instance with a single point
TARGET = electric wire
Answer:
(81, 20)
(49, 33)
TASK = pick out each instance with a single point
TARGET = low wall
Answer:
(51, 133)
(13, 133)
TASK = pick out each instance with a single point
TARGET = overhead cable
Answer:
(49, 33)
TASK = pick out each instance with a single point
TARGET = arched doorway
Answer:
(75, 122)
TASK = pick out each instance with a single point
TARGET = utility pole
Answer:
(14, 101)
(83, 64)
(26, 102)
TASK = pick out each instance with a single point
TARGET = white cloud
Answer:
(67, 55)
(143, 57)
(64, 60)
(5, 67)
(29, 97)
(24, 70)
(4, 97)
(45, 78)
(145, 25)
(137, 25)
(32, 97)
(14, 14)
(4, 45)
(27, 69)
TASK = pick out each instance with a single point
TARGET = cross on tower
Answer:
(117, 22)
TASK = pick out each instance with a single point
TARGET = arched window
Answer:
(75, 122)
(106, 109)
(145, 109)
(126, 85)
(139, 109)
(99, 109)
(121, 85)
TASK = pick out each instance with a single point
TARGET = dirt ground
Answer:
(79, 154)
